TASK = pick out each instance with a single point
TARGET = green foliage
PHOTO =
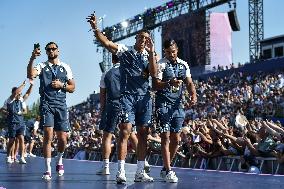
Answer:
(2, 121)
(33, 111)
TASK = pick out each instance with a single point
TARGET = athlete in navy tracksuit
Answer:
(55, 80)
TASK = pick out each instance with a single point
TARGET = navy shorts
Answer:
(136, 109)
(170, 118)
(16, 129)
(110, 117)
(28, 136)
(56, 117)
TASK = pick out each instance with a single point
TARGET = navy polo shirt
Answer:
(134, 70)
(111, 81)
(47, 73)
(15, 109)
(167, 71)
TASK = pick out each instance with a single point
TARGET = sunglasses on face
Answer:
(49, 49)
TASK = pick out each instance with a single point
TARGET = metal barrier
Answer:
(226, 163)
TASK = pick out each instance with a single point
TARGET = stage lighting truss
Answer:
(154, 17)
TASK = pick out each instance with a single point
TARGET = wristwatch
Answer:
(64, 86)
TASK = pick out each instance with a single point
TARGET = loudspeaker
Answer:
(234, 20)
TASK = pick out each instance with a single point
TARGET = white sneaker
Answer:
(163, 174)
(120, 177)
(22, 161)
(171, 177)
(9, 160)
(103, 171)
(25, 155)
(147, 168)
(143, 177)
(46, 176)
(31, 155)
(60, 170)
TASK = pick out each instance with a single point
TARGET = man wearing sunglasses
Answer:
(56, 79)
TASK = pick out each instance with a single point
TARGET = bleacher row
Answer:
(224, 163)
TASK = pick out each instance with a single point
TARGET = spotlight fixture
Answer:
(124, 24)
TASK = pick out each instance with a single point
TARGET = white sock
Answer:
(140, 166)
(120, 164)
(47, 164)
(59, 158)
(146, 163)
(106, 162)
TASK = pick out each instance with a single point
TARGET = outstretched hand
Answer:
(92, 19)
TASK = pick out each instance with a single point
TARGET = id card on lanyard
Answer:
(54, 69)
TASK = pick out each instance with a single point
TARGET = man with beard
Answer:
(55, 80)
(173, 73)
(135, 65)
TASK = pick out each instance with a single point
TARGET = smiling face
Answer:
(141, 40)
(171, 50)
(171, 53)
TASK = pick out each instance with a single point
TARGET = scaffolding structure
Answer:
(256, 28)
(153, 18)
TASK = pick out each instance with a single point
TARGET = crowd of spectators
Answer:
(209, 128)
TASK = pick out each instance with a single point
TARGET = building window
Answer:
(278, 51)
(267, 53)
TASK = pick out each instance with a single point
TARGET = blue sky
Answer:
(23, 23)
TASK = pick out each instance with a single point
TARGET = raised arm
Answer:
(271, 130)
(29, 91)
(275, 127)
(220, 125)
(31, 71)
(204, 138)
(109, 45)
(251, 148)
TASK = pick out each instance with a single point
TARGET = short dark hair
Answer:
(50, 43)
(144, 31)
(169, 42)
(114, 58)
(14, 89)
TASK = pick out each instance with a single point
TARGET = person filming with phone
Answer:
(56, 79)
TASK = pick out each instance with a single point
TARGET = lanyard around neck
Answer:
(54, 69)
